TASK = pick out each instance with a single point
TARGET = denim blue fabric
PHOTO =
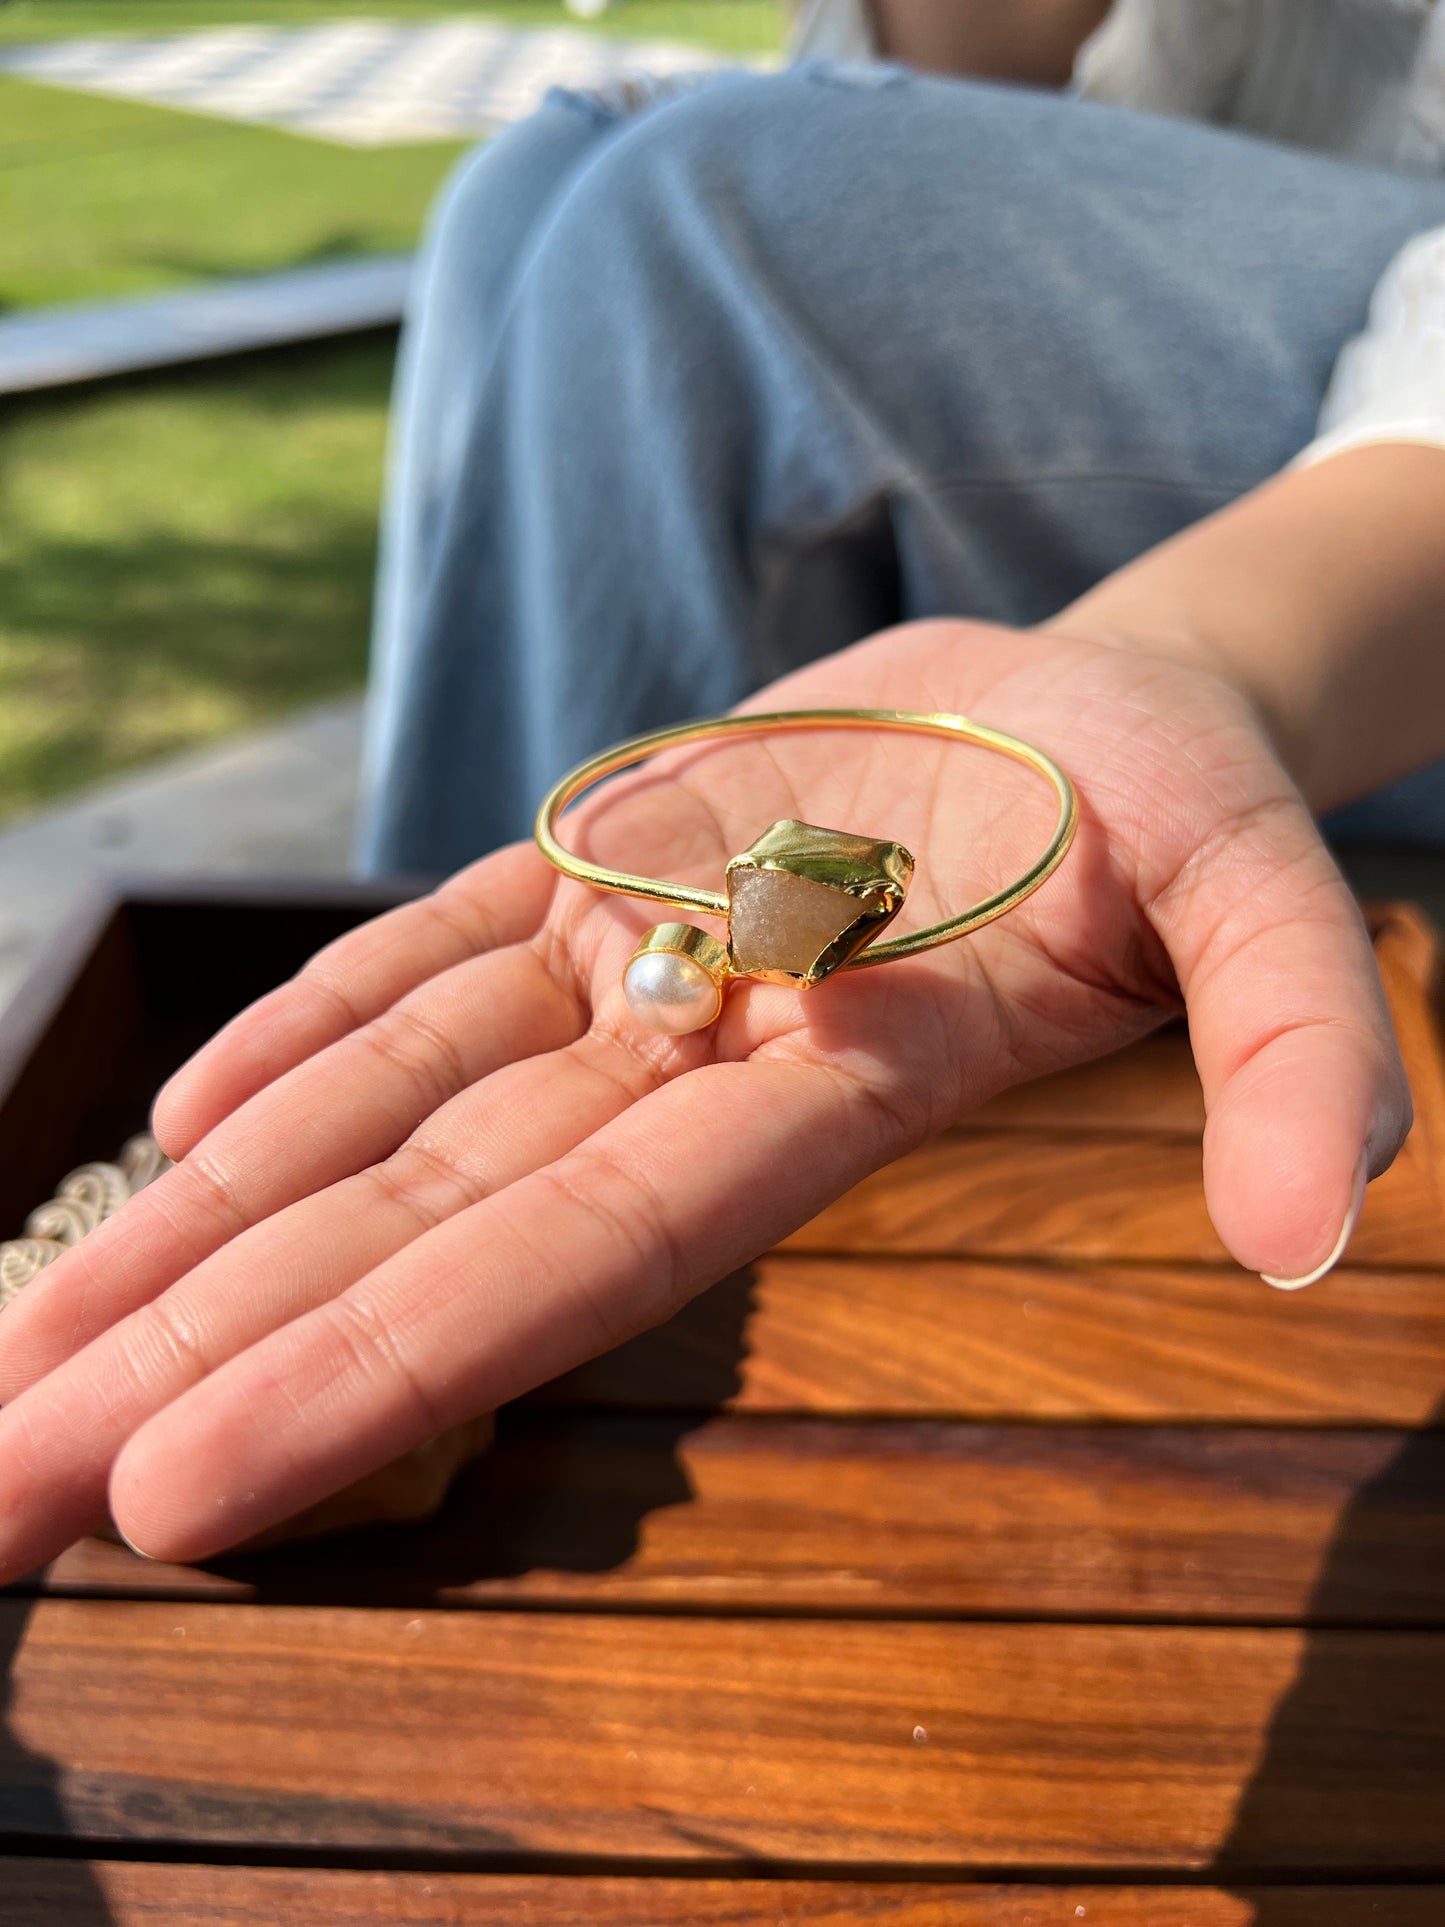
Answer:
(696, 393)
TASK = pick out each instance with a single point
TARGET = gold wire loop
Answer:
(712, 903)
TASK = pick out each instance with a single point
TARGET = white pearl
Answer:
(670, 993)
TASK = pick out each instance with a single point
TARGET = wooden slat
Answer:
(1135, 1197)
(811, 1743)
(1153, 1086)
(53, 1893)
(1099, 1163)
(915, 1519)
(1150, 1087)
(1408, 950)
(1049, 1193)
(1105, 1162)
(943, 1338)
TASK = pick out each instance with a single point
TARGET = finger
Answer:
(496, 902)
(333, 1115)
(1305, 1091)
(59, 1439)
(572, 1259)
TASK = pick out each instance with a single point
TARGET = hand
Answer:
(446, 1164)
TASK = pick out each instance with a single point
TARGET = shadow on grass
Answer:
(199, 638)
(195, 264)
(222, 576)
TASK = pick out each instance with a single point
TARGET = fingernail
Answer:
(139, 1551)
(1347, 1231)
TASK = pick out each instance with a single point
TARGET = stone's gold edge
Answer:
(859, 887)
(796, 848)
(867, 929)
(790, 835)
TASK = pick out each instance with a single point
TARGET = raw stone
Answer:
(803, 900)
(783, 922)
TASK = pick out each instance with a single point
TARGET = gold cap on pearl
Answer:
(686, 940)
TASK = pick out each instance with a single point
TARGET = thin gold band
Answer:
(711, 903)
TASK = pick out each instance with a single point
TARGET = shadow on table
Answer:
(1352, 1775)
(572, 1477)
(30, 1805)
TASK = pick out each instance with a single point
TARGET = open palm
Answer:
(446, 1163)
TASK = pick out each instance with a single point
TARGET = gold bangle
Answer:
(801, 902)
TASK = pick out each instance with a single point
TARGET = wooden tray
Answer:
(994, 1553)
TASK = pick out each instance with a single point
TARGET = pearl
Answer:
(671, 993)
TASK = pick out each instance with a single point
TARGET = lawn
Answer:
(741, 27)
(187, 556)
(109, 197)
(104, 197)
(183, 558)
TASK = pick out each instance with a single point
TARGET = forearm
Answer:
(1031, 41)
(1322, 594)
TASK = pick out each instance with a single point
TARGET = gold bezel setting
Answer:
(860, 880)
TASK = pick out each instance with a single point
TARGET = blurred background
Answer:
(207, 214)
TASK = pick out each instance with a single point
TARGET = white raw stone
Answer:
(778, 921)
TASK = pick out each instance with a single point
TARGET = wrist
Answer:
(1143, 618)
(1319, 597)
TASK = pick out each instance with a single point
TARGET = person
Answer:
(851, 385)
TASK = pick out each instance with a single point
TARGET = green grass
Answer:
(182, 559)
(729, 26)
(191, 555)
(102, 197)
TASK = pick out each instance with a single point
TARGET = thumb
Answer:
(1305, 1091)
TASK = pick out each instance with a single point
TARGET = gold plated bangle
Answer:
(801, 902)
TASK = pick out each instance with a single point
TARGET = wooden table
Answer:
(995, 1554)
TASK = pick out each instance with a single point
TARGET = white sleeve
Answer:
(1389, 382)
(1184, 60)
(831, 30)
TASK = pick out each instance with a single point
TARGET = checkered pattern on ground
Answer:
(364, 83)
